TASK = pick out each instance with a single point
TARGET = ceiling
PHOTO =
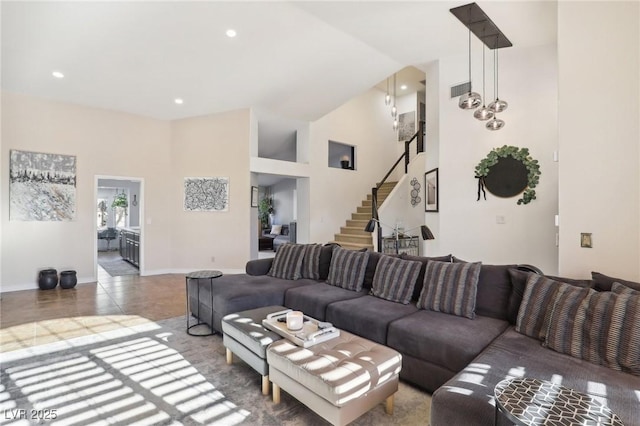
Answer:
(294, 59)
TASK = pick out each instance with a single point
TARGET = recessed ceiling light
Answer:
(179, 101)
(403, 87)
(57, 74)
(231, 33)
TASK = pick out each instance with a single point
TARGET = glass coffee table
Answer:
(527, 401)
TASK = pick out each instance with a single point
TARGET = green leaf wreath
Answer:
(520, 154)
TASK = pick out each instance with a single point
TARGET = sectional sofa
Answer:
(461, 327)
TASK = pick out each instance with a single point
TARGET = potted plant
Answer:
(265, 208)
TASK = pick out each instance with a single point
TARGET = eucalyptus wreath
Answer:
(520, 154)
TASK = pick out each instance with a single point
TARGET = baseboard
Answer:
(4, 288)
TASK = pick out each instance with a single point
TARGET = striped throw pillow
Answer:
(450, 288)
(537, 304)
(565, 327)
(395, 278)
(605, 329)
(287, 263)
(311, 261)
(347, 268)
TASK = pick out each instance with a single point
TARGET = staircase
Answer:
(353, 236)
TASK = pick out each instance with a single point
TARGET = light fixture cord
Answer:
(469, 60)
(484, 47)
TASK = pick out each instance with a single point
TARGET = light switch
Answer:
(500, 220)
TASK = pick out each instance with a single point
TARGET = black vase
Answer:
(68, 279)
(48, 279)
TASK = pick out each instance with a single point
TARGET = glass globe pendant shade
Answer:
(394, 111)
(483, 114)
(495, 124)
(470, 100)
(387, 99)
(498, 105)
(395, 124)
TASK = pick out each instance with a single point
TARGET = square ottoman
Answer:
(339, 379)
(244, 335)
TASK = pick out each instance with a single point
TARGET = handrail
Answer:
(406, 155)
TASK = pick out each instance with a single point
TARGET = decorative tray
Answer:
(312, 332)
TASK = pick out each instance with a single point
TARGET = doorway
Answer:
(119, 226)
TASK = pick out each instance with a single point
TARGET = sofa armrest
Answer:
(259, 266)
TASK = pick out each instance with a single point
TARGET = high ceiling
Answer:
(294, 59)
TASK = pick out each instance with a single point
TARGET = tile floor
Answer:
(32, 317)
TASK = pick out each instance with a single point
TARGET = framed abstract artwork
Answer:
(42, 187)
(431, 191)
(206, 194)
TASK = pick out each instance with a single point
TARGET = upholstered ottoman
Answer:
(340, 379)
(244, 335)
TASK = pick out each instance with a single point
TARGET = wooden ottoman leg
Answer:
(276, 394)
(229, 356)
(388, 408)
(265, 385)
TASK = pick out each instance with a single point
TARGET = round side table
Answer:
(200, 275)
(537, 402)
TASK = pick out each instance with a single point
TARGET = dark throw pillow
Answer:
(347, 268)
(603, 282)
(450, 288)
(395, 278)
(287, 263)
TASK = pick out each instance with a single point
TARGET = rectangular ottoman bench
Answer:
(244, 335)
(340, 379)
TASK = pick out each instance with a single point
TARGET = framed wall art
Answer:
(42, 187)
(431, 191)
(206, 194)
(254, 196)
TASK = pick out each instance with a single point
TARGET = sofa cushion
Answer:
(395, 278)
(347, 268)
(494, 290)
(367, 316)
(287, 263)
(450, 288)
(275, 230)
(536, 306)
(603, 282)
(311, 261)
(325, 260)
(565, 329)
(372, 265)
(467, 399)
(623, 289)
(448, 341)
(519, 284)
(314, 299)
(423, 260)
(599, 327)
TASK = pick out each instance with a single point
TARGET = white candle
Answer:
(294, 320)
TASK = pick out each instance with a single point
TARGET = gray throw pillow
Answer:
(347, 268)
(536, 306)
(450, 288)
(311, 261)
(395, 278)
(565, 328)
(287, 263)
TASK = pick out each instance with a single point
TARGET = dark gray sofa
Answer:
(457, 359)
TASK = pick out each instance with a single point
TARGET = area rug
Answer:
(115, 265)
(153, 373)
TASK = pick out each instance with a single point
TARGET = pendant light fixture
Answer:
(387, 97)
(483, 113)
(498, 105)
(471, 99)
(394, 109)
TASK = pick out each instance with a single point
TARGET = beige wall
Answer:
(216, 145)
(366, 123)
(599, 137)
(105, 143)
(466, 227)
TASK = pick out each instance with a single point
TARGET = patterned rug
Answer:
(152, 373)
(115, 265)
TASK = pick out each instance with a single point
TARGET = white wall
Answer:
(211, 146)
(283, 201)
(105, 143)
(467, 228)
(598, 50)
(365, 122)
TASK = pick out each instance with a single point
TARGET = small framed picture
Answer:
(585, 240)
(431, 198)
(254, 196)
